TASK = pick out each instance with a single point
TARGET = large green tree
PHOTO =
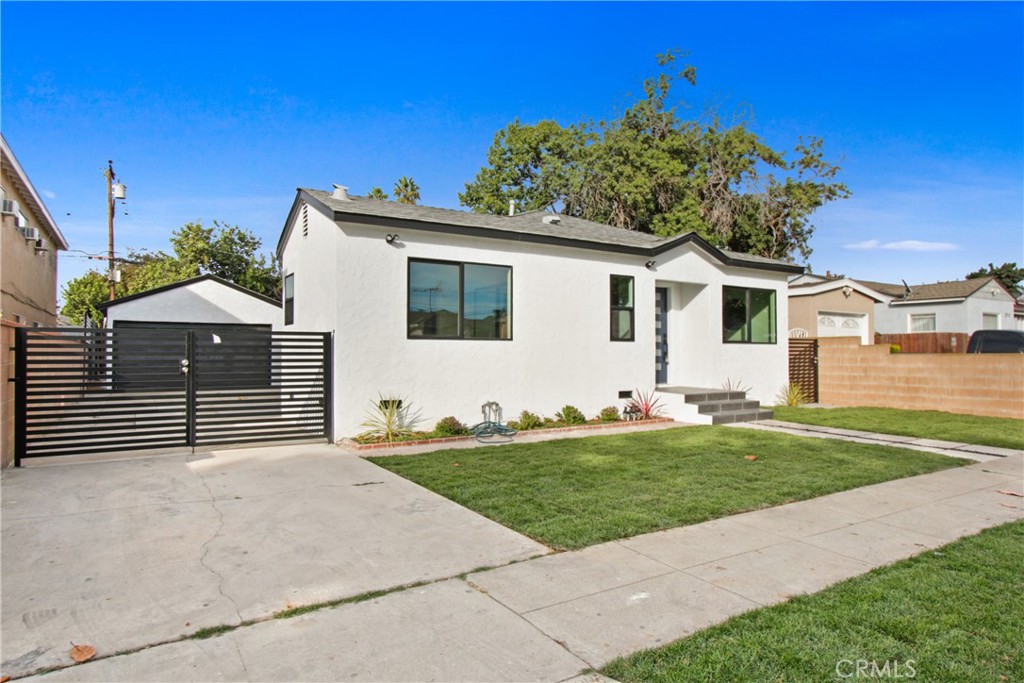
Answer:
(651, 170)
(1008, 274)
(227, 251)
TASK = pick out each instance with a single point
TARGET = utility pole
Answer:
(114, 191)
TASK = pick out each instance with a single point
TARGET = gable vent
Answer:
(305, 219)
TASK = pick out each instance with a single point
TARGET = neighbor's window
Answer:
(922, 322)
(289, 299)
(990, 321)
(748, 315)
(622, 308)
(459, 300)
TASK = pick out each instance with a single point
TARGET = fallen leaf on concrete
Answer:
(750, 457)
(1012, 493)
(82, 653)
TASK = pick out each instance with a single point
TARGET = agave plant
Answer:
(791, 395)
(644, 405)
(389, 420)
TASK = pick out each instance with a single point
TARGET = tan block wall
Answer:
(6, 393)
(972, 384)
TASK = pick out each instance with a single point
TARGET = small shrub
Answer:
(389, 420)
(527, 420)
(570, 415)
(895, 348)
(645, 405)
(791, 395)
(609, 414)
(449, 426)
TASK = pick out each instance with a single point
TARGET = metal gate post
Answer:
(329, 386)
(20, 394)
(190, 389)
(817, 389)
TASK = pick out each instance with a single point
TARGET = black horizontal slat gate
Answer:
(255, 385)
(83, 391)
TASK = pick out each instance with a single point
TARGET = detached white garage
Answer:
(206, 299)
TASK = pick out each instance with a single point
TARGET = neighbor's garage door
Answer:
(843, 325)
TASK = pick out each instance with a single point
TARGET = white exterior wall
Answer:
(697, 356)
(350, 281)
(955, 316)
(206, 301)
(313, 260)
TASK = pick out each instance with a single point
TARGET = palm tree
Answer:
(377, 193)
(407, 191)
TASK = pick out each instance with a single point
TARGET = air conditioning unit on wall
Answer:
(10, 206)
(30, 233)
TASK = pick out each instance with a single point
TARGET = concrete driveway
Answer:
(120, 555)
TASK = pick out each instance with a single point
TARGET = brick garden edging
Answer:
(355, 445)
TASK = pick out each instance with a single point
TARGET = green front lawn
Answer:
(573, 493)
(955, 614)
(1003, 432)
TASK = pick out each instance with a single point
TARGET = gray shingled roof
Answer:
(568, 229)
(957, 289)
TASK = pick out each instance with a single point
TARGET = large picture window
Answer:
(459, 300)
(622, 308)
(748, 315)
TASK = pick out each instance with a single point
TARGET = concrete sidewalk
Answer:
(953, 448)
(548, 619)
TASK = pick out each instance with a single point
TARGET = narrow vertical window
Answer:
(622, 308)
(289, 299)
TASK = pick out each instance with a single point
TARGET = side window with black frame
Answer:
(622, 308)
(748, 315)
(451, 300)
(289, 299)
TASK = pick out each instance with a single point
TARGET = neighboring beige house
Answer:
(832, 307)
(30, 242)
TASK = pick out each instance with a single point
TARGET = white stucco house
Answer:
(449, 310)
(202, 300)
(958, 306)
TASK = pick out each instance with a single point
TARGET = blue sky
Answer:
(220, 110)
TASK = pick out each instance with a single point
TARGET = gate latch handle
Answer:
(184, 366)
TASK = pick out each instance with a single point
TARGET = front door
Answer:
(661, 335)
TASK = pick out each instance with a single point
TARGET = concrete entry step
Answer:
(721, 405)
(728, 417)
(727, 406)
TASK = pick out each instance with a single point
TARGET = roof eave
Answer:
(29, 190)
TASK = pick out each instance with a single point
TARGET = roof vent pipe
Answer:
(340, 192)
(552, 219)
(511, 207)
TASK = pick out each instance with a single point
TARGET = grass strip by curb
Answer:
(950, 614)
